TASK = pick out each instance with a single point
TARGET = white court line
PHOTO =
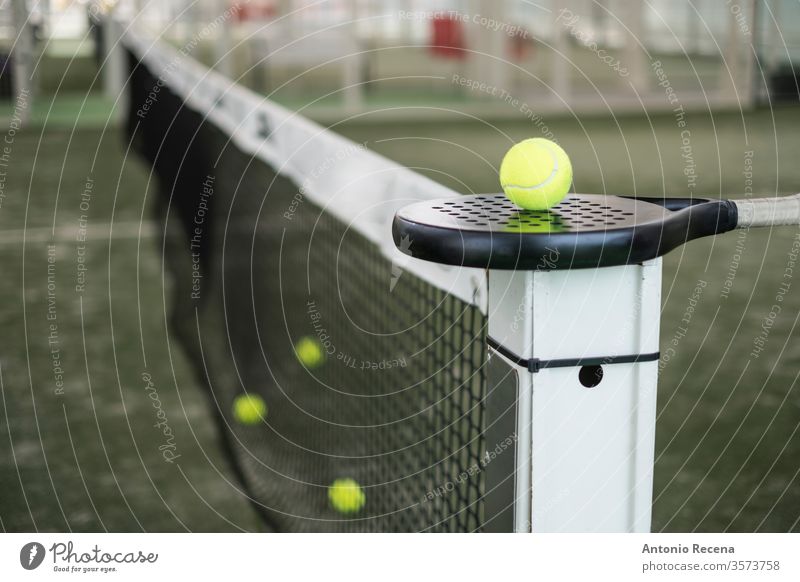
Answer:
(122, 230)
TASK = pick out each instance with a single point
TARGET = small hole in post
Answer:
(591, 376)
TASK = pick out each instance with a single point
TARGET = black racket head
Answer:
(582, 231)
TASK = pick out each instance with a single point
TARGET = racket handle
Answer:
(779, 211)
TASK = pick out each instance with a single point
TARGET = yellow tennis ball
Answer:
(536, 174)
(309, 352)
(249, 408)
(346, 496)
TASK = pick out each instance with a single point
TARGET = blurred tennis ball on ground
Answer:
(346, 496)
(309, 352)
(249, 408)
(536, 174)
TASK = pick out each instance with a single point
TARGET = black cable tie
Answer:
(534, 365)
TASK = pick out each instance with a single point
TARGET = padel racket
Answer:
(582, 231)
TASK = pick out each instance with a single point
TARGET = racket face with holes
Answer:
(582, 231)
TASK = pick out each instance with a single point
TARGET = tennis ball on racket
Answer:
(536, 174)
(346, 496)
(309, 352)
(249, 408)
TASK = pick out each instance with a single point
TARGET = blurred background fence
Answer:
(339, 55)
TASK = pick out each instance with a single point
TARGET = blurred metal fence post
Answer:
(750, 79)
(737, 70)
(729, 67)
(22, 60)
(635, 59)
(351, 77)
(559, 65)
(223, 43)
(114, 75)
(490, 45)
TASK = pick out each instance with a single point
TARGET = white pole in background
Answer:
(692, 42)
(635, 59)
(114, 68)
(731, 89)
(750, 82)
(22, 55)
(351, 75)
(223, 60)
(491, 45)
(559, 64)
(774, 44)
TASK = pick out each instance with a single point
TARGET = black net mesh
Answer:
(388, 387)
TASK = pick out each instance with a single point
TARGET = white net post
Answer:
(585, 438)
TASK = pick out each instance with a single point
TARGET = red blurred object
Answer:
(522, 45)
(448, 37)
(252, 10)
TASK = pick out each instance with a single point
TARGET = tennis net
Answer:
(286, 286)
